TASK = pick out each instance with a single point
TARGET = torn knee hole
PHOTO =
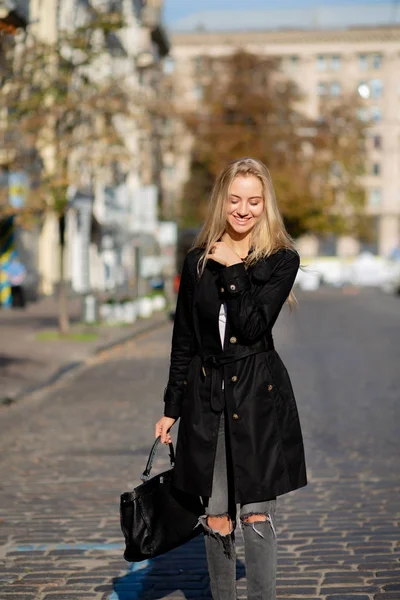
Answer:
(254, 518)
(219, 524)
(251, 520)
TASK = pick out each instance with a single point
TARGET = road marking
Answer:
(83, 546)
(129, 584)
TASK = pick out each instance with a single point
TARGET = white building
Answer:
(326, 50)
(102, 203)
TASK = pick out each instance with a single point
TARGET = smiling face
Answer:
(244, 204)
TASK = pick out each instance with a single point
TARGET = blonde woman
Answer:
(239, 438)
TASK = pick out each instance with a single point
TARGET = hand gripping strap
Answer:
(146, 473)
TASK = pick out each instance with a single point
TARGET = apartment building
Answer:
(327, 51)
(99, 222)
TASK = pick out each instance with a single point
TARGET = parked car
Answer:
(365, 270)
(391, 279)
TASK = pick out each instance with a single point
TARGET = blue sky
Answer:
(175, 9)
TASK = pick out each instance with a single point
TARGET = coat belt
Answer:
(214, 363)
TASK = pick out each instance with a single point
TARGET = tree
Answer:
(250, 109)
(63, 102)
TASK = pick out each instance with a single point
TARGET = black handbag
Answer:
(157, 517)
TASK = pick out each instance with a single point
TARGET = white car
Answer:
(366, 269)
(391, 280)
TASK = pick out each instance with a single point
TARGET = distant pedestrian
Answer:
(17, 274)
(239, 439)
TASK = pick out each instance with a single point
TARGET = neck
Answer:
(240, 244)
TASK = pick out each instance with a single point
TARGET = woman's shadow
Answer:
(183, 570)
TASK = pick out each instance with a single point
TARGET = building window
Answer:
(335, 88)
(371, 245)
(294, 63)
(197, 64)
(363, 62)
(335, 63)
(198, 91)
(327, 245)
(321, 63)
(322, 89)
(377, 142)
(376, 114)
(375, 196)
(169, 171)
(376, 61)
(362, 113)
(168, 65)
(369, 61)
(376, 87)
(376, 169)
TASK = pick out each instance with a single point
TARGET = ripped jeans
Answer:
(260, 546)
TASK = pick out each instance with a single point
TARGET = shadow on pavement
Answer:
(182, 571)
(8, 359)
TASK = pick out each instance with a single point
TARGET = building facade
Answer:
(100, 222)
(323, 61)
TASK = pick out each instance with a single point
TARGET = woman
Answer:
(239, 438)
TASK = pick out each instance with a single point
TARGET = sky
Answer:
(176, 9)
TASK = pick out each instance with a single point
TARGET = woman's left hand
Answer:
(222, 253)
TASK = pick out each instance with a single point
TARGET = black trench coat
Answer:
(264, 432)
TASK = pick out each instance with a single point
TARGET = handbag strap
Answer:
(146, 473)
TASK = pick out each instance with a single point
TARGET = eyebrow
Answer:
(252, 197)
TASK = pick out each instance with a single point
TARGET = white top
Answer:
(222, 323)
(222, 326)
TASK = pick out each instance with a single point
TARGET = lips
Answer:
(242, 221)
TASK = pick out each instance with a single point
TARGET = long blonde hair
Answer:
(269, 233)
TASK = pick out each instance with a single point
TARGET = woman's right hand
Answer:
(162, 428)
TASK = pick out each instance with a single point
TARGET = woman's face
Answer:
(245, 204)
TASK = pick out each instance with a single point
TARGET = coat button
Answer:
(270, 386)
(185, 382)
(234, 378)
(233, 340)
(232, 287)
(222, 290)
(235, 416)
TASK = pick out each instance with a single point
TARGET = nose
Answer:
(243, 210)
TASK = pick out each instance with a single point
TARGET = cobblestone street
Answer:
(67, 454)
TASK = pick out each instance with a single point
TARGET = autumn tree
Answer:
(61, 107)
(249, 108)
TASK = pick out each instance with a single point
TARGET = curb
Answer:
(67, 368)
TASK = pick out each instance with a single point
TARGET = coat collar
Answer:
(261, 271)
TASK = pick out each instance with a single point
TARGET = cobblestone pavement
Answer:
(66, 456)
(27, 362)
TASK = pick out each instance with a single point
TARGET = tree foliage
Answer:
(249, 108)
(60, 105)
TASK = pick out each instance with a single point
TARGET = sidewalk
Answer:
(28, 362)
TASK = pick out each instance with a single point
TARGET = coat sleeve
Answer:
(251, 316)
(182, 348)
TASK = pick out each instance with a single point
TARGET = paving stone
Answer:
(10, 594)
(64, 596)
(91, 437)
(392, 587)
(347, 597)
(350, 588)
